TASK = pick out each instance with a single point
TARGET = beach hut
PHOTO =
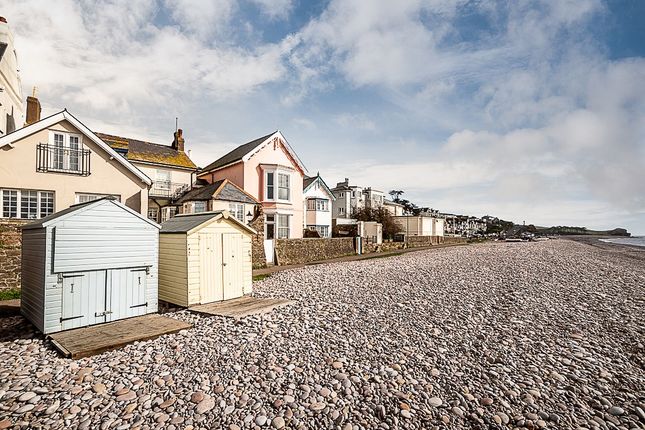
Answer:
(203, 258)
(88, 264)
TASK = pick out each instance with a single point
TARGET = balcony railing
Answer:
(50, 158)
(166, 189)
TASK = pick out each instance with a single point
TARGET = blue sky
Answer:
(528, 110)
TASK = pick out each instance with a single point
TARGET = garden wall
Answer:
(10, 244)
(302, 251)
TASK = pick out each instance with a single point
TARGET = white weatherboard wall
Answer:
(210, 262)
(97, 262)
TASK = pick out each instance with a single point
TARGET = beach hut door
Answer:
(209, 273)
(232, 267)
(84, 299)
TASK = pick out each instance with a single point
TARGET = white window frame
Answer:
(62, 160)
(195, 203)
(154, 212)
(163, 179)
(237, 210)
(168, 212)
(41, 196)
(280, 228)
(275, 186)
(90, 197)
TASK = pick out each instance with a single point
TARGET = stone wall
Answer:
(301, 251)
(257, 242)
(369, 248)
(10, 241)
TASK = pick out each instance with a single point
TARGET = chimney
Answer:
(178, 142)
(33, 108)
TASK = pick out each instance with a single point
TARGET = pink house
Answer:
(269, 170)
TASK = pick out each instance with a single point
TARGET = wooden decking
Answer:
(241, 307)
(83, 342)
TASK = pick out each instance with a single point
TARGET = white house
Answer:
(318, 203)
(420, 225)
(11, 108)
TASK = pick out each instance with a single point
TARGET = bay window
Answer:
(283, 226)
(283, 186)
(277, 185)
(26, 204)
(269, 186)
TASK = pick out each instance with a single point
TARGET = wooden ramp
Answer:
(83, 342)
(240, 307)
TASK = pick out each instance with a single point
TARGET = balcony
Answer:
(168, 190)
(50, 158)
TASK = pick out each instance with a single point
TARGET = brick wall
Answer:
(301, 251)
(257, 242)
(10, 241)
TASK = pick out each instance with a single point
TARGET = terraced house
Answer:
(170, 168)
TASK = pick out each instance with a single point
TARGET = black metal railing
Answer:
(168, 189)
(64, 160)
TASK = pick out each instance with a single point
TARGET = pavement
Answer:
(273, 269)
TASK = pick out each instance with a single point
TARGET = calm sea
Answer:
(634, 241)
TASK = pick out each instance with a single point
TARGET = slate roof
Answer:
(219, 190)
(185, 223)
(139, 150)
(237, 154)
(308, 181)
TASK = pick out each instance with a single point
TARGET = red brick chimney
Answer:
(178, 142)
(33, 109)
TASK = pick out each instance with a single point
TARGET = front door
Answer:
(210, 275)
(232, 265)
(269, 237)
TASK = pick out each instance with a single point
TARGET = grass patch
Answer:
(260, 277)
(11, 294)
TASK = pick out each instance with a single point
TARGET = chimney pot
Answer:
(33, 110)
(178, 142)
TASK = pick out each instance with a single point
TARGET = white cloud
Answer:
(275, 9)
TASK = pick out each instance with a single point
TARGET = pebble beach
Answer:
(487, 336)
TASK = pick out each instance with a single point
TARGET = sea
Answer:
(634, 240)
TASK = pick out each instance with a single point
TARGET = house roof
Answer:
(243, 153)
(79, 207)
(391, 202)
(64, 115)
(308, 181)
(187, 223)
(147, 152)
(219, 190)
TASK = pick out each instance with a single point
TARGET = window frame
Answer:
(195, 203)
(62, 156)
(237, 209)
(44, 204)
(280, 233)
(272, 184)
(96, 196)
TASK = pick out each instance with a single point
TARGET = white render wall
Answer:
(320, 218)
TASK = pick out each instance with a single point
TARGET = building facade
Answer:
(219, 196)
(170, 168)
(318, 203)
(11, 102)
(57, 162)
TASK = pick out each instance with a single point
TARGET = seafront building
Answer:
(12, 115)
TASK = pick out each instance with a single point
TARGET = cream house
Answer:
(170, 168)
(318, 200)
(56, 162)
(268, 169)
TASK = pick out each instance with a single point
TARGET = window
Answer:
(162, 179)
(86, 197)
(283, 186)
(320, 205)
(283, 226)
(341, 211)
(74, 146)
(199, 207)
(237, 210)
(153, 213)
(342, 195)
(323, 230)
(168, 212)
(270, 186)
(269, 223)
(26, 204)
(9, 203)
(59, 151)
(64, 153)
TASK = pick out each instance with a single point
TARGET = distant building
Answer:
(350, 198)
(171, 170)
(394, 208)
(220, 195)
(420, 225)
(318, 202)
(12, 114)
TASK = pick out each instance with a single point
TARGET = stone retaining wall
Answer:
(258, 256)
(369, 248)
(301, 251)
(10, 244)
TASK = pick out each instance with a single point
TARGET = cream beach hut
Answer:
(203, 258)
(88, 264)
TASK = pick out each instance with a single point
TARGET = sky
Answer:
(526, 110)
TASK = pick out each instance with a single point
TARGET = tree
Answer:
(380, 215)
(396, 195)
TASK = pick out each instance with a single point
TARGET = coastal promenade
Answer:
(494, 335)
